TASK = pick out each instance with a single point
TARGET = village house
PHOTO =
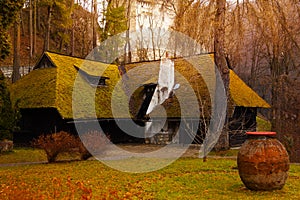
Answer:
(46, 99)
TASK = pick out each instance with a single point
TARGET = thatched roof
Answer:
(243, 95)
(53, 86)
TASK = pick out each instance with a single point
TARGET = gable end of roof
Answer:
(45, 62)
(243, 95)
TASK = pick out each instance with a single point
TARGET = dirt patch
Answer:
(192, 150)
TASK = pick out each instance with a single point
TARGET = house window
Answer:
(95, 81)
(102, 81)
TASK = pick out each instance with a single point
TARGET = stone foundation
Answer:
(160, 138)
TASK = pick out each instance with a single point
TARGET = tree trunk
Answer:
(95, 16)
(287, 120)
(38, 17)
(16, 63)
(72, 29)
(30, 30)
(73, 36)
(22, 23)
(220, 60)
(47, 35)
(34, 26)
(127, 53)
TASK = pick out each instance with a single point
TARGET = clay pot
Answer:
(263, 162)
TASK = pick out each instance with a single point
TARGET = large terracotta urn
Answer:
(263, 162)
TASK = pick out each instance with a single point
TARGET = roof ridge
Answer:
(77, 57)
(136, 62)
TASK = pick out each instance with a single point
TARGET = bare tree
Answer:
(220, 60)
(179, 8)
(73, 35)
(270, 36)
(48, 27)
(94, 22)
(30, 30)
(17, 62)
(127, 48)
(34, 26)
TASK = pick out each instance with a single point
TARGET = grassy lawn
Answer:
(187, 178)
(21, 154)
(262, 124)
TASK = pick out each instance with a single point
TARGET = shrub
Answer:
(8, 114)
(92, 143)
(56, 143)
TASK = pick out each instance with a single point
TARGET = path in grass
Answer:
(23, 156)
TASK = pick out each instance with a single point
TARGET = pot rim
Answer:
(261, 133)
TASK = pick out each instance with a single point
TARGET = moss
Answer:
(243, 95)
(54, 87)
(263, 124)
(35, 90)
(190, 80)
(68, 78)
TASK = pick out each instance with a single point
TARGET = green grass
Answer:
(186, 178)
(230, 152)
(262, 124)
(20, 155)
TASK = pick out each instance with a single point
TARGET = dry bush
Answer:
(92, 143)
(56, 143)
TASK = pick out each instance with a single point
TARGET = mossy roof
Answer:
(243, 95)
(53, 87)
(193, 88)
(36, 90)
(196, 72)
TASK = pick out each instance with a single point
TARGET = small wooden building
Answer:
(47, 103)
